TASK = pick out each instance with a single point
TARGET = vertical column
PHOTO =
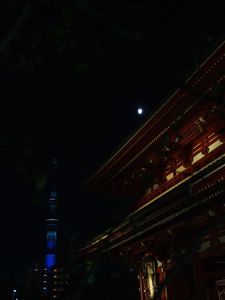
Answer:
(162, 276)
(151, 275)
(141, 285)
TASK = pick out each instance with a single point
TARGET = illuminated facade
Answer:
(58, 283)
(174, 165)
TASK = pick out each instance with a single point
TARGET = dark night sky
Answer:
(82, 112)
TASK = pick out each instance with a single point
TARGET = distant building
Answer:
(33, 282)
(57, 283)
(174, 166)
(42, 284)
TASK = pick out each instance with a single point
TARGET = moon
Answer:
(140, 111)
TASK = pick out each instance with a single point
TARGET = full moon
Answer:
(140, 111)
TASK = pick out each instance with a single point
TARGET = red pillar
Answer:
(162, 277)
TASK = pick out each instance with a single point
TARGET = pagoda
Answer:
(174, 166)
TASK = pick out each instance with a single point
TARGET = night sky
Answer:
(73, 76)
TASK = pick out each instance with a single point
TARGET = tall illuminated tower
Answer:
(52, 224)
(51, 237)
(55, 280)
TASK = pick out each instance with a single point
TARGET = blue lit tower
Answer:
(55, 280)
(52, 224)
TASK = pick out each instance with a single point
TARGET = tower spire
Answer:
(53, 194)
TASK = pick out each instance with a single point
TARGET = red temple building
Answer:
(174, 165)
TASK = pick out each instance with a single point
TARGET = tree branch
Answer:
(12, 33)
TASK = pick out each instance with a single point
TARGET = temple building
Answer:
(174, 166)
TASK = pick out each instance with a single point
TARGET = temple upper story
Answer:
(183, 135)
